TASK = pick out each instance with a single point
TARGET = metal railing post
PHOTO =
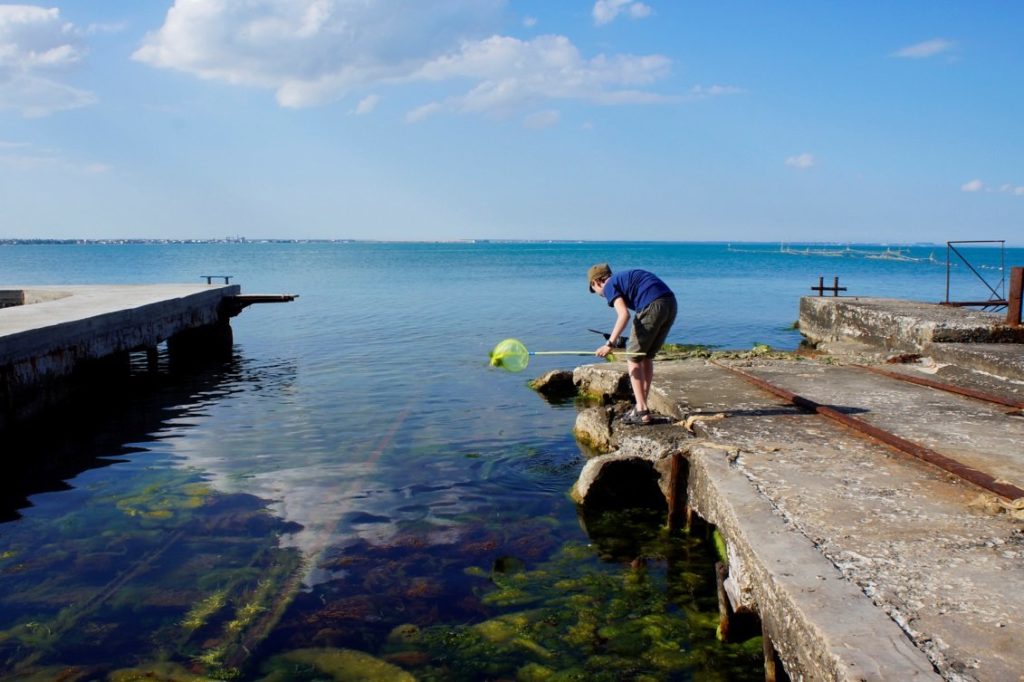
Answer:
(1013, 301)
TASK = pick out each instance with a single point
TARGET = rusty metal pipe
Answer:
(724, 610)
(949, 388)
(970, 474)
(677, 490)
(1013, 307)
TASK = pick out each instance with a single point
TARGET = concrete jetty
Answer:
(863, 560)
(49, 333)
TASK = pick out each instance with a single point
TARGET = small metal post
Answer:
(772, 662)
(1013, 305)
(676, 490)
(770, 671)
(821, 288)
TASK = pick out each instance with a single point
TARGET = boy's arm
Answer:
(621, 321)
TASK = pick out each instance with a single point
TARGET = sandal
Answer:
(637, 417)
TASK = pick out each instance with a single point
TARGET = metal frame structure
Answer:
(997, 300)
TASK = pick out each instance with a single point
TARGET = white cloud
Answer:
(529, 22)
(928, 48)
(36, 49)
(314, 51)
(972, 186)
(1010, 189)
(511, 73)
(606, 11)
(542, 119)
(804, 160)
(699, 92)
(367, 104)
(96, 29)
(420, 113)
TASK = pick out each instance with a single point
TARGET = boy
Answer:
(655, 307)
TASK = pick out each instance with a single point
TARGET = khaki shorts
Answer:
(651, 327)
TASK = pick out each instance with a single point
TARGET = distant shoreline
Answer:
(243, 240)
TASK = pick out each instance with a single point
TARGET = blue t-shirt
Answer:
(638, 288)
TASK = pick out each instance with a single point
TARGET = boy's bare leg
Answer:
(639, 380)
(648, 364)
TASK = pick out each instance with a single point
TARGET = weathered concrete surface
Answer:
(822, 625)
(899, 325)
(802, 501)
(59, 327)
(1005, 360)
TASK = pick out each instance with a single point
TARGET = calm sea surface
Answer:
(356, 481)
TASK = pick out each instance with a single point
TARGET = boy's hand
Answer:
(603, 351)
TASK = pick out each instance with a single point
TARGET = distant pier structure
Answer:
(51, 335)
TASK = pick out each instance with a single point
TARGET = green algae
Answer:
(343, 665)
(161, 502)
(199, 614)
(593, 620)
(720, 547)
(156, 672)
(191, 598)
(672, 351)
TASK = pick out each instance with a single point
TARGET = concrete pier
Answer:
(49, 333)
(863, 561)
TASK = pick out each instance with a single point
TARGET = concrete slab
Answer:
(918, 545)
(51, 330)
(823, 626)
(1007, 388)
(977, 434)
(895, 324)
(52, 313)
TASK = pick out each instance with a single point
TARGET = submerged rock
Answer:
(339, 664)
(155, 672)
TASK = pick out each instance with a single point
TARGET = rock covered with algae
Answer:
(345, 665)
(156, 672)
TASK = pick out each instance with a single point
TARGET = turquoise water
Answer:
(357, 467)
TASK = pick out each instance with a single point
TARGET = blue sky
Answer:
(450, 119)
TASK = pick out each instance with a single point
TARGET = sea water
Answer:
(356, 481)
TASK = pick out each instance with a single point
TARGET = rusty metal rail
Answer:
(970, 474)
(949, 388)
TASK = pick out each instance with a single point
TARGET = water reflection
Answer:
(243, 526)
(100, 423)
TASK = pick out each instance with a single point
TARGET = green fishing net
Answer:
(510, 354)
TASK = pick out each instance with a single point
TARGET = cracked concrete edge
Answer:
(823, 627)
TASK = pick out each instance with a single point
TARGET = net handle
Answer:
(578, 352)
